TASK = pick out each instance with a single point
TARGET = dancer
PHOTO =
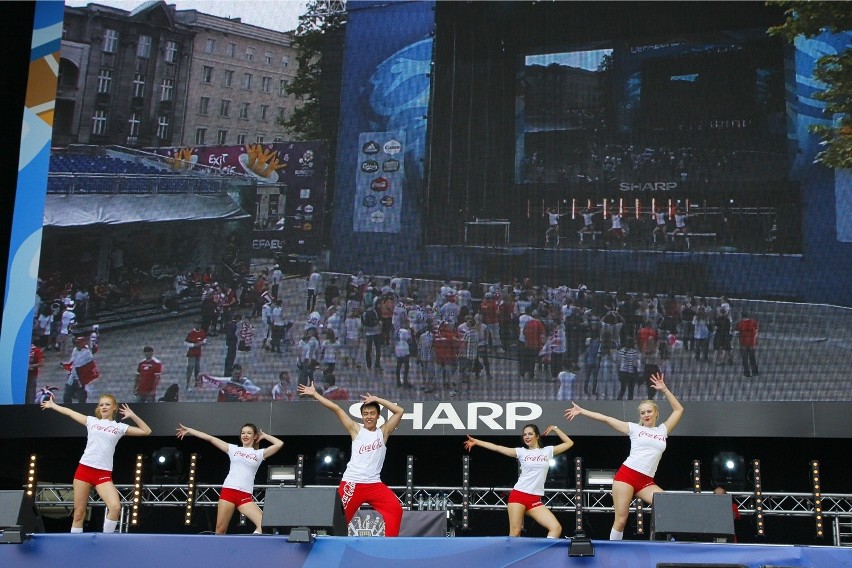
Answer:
(95, 469)
(238, 485)
(525, 498)
(361, 481)
(647, 443)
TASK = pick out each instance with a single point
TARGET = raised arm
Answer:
(141, 429)
(72, 414)
(396, 413)
(615, 424)
(186, 430)
(351, 426)
(276, 444)
(566, 441)
(471, 442)
(657, 381)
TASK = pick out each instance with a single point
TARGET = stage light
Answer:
(281, 474)
(13, 535)
(696, 476)
(640, 517)
(578, 498)
(758, 498)
(167, 465)
(190, 490)
(300, 470)
(465, 492)
(329, 466)
(31, 483)
(557, 473)
(816, 488)
(581, 545)
(300, 535)
(137, 491)
(600, 477)
(729, 471)
(409, 481)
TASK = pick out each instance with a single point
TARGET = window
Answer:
(263, 110)
(171, 51)
(285, 61)
(133, 123)
(167, 89)
(282, 87)
(207, 74)
(163, 127)
(241, 139)
(221, 136)
(110, 40)
(200, 133)
(143, 47)
(138, 85)
(227, 78)
(225, 108)
(232, 50)
(250, 53)
(266, 84)
(282, 114)
(267, 57)
(104, 80)
(210, 45)
(247, 77)
(203, 105)
(99, 122)
(244, 109)
(259, 139)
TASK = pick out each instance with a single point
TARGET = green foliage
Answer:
(810, 19)
(320, 17)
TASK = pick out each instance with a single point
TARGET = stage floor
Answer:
(184, 551)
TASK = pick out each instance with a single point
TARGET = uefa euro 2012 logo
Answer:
(367, 525)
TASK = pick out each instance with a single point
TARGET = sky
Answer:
(279, 15)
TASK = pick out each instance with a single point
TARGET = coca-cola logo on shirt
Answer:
(370, 447)
(658, 437)
(106, 429)
(240, 454)
(535, 458)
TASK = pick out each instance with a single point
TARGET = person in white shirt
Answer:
(647, 443)
(95, 469)
(534, 460)
(237, 488)
(314, 284)
(361, 481)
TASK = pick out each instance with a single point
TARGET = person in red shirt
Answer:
(147, 376)
(535, 336)
(36, 362)
(195, 339)
(490, 312)
(747, 329)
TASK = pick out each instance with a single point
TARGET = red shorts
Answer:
(238, 498)
(92, 476)
(528, 500)
(638, 481)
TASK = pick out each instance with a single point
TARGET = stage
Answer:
(167, 550)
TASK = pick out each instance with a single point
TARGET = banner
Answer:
(378, 182)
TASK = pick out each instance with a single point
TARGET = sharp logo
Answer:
(466, 416)
(648, 186)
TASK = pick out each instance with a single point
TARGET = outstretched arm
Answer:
(277, 444)
(141, 429)
(615, 424)
(72, 414)
(566, 441)
(396, 413)
(471, 442)
(677, 407)
(185, 430)
(348, 423)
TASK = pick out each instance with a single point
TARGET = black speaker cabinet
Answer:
(704, 517)
(318, 508)
(18, 509)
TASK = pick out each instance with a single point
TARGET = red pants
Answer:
(376, 495)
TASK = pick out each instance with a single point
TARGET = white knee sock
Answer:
(552, 536)
(109, 526)
(76, 530)
(616, 535)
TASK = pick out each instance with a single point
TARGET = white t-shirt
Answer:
(646, 448)
(101, 440)
(566, 385)
(352, 325)
(244, 464)
(314, 281)
(368, 457)
(534, 466)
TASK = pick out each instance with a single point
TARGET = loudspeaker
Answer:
(318, 508)
(705, 517)
(18, 509)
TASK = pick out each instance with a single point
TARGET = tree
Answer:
(810, 19)
(320, 18)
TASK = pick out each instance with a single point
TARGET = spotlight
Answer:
(600, 477)
(281, 474)
(300, 534)
(329, 466)
(729, 471)
(581, 545)
(167, 465)
(557, 474)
